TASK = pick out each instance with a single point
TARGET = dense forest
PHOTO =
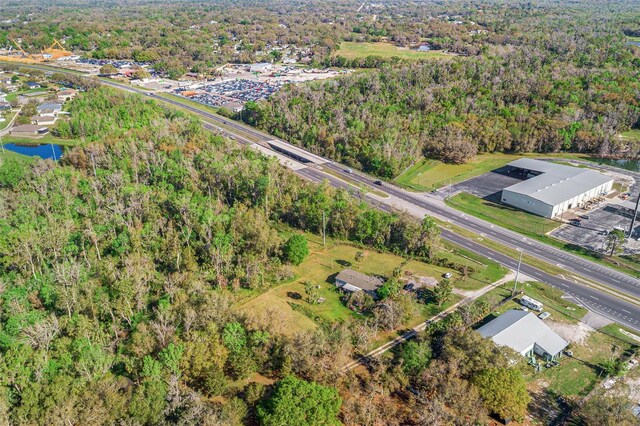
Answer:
(575, 91)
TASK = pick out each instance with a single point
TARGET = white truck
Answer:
(531, 303)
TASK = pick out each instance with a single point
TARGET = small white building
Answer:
(551, 189)
(525, 333)
(261, 67)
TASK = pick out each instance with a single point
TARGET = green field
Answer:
(7, 119)
(428, 175)
(353, 50)
(502, 215)
(633, 134)
(324, 262)
(44, 140)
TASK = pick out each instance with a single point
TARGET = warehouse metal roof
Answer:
(520, 330)
(556, 183)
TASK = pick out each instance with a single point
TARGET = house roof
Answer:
(556, 183)
(520, 330)
(357, 279)
(28, 128)
(49, 106)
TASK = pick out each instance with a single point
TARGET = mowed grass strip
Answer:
(504, 216)
(355, 50)
(428, 174)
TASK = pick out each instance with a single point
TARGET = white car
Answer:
(447, 275)
(544, 315)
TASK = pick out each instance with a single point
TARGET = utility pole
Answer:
(324, 230)
(515, 284)
(633, 219)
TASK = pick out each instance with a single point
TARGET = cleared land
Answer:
(505, 216)
(633, 134)
(288, 303)
(427, 175)
(353, 50)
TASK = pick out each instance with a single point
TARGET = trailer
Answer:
(531, 303)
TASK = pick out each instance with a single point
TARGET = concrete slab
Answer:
(596, 321)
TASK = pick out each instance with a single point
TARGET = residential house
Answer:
(29, 130)
(33, 85)
(43, 120)
(351, 281)
(5, 106)
(525, 333)
(49, 108)
(66, 95)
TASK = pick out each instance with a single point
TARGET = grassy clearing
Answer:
(353, 50)
(504, 216)
(288, 304)
(428, 175)
(7, 119)
(44, 140)
(633, 134)
(561, 310)
(577, 375)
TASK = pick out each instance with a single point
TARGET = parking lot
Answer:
(593, 231)
(487, 186)
(241, 90)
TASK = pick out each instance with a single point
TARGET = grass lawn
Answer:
(7, 119)
(576, 375)
(16, 156)
(561, 310)
(324, 263)
(353, 50)
(504, 216)
(633, 134)
(427, 175)
(484, 272)
(46, 139)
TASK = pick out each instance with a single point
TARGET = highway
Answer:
(608, 304)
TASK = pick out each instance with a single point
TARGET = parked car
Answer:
(447, 275)
(585, 217)
(378, 182)
(544, 315)
(348, 171)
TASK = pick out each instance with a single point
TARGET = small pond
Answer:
(631, 165)
(47, 151)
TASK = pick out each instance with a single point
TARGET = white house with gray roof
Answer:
(550, 189)
(525, 333)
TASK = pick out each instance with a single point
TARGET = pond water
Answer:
(48, 151)
(634, 43)
(631, 165)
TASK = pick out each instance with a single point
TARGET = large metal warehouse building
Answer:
(551, 189)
